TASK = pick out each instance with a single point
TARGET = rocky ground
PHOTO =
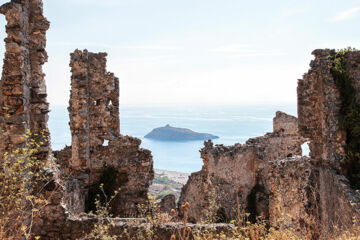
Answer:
(167, 182)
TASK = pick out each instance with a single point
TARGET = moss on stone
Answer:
(350, 116)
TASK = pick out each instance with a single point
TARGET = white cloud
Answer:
(346, 15)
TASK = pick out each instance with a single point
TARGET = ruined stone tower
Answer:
(99, 153)
(94, 106)
(23, 92)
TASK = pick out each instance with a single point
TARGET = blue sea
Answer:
(233, 124)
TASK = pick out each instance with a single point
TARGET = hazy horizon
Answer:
(233, 124)
(196, 52)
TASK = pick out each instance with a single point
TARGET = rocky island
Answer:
(169, 133)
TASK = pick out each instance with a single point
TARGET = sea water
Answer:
(233, 124)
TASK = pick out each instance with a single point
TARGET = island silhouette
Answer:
(169, 133)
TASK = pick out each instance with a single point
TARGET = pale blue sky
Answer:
(197, 51)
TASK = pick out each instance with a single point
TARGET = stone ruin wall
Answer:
(307, 190)
(316, 196)
(319, 106)
(307, 194)
(24, 108)
(97, 144)
(293, 195)
(23, 91)
(238, 174)
(93, 106)
(285, 122)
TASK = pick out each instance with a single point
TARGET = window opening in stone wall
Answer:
(305, 148)
(97, 102)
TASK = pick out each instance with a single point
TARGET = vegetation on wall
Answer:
(350, 112)
(22, 179)
(103, 189)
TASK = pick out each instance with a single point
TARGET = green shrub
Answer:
(350, 112)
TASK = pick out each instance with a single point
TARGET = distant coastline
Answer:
(167, 182)
(169, 133)
(233, 124)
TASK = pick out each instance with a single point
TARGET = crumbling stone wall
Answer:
(94, 106)
(263, 176)
(319, 110)
(130, 228)
(317, 200)
(98, 151)
(339, 203)
(23, 104)
(24, 109)
(294, 196)
(319, 105)
(285, 122)
(237, 175)
(194, 193)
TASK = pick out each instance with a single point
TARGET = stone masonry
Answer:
(237, 175)
(310, 194)
(94, 110)
(265, 176)
(294, 196)
(319, 113)
(319, 106)
(23, 104)
(94, 106)
(99, 152)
